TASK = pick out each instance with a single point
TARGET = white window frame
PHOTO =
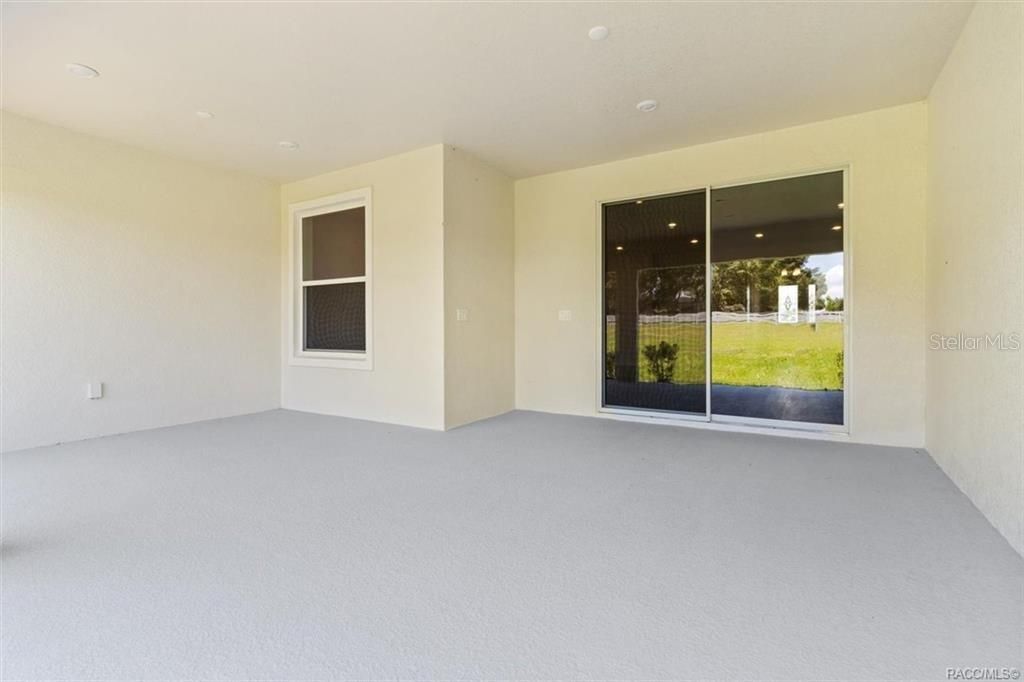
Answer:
(297, 354)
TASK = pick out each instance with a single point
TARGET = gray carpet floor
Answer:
(293, 546)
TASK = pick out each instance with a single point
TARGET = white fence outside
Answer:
(820, 317)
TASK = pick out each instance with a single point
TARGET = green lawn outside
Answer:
(751, 354)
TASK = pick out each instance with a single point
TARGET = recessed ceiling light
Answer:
(671, 225)
(695, 241)
(836, 228)
(205, 115)
(618, 248)
(758, 235)
(639, 201)
(288, 144)
(840, 205)
(598, 33)
(82, 71)
(647, 105)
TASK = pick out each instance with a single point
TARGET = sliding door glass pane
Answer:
(777, 299)
(654, 297)
(334, 245)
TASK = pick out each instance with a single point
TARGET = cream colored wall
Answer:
(556, 259)
(478, 278)
(975, 264)
(406, 384)
(155, 276)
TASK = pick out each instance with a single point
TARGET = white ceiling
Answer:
(520, 85)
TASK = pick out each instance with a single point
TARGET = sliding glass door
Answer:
(777, 300)
(773, 293)
(654, 301)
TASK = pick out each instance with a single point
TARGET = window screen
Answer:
(335, 317)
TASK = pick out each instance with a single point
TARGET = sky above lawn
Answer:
(832, 265)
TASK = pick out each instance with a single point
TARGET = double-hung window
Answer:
(331, 301)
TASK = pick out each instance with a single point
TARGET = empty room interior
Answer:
(512, 341)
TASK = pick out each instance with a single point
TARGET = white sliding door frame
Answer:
(667, 415)
(708, 418)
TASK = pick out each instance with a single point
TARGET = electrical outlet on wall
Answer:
(564, 315)
(94, 391)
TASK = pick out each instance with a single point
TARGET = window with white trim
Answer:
(331, 281)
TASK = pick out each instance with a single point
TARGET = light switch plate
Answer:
(94, 391)
(564, 315)
(461, 314)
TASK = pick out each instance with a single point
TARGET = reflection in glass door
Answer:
(775, 347)
(777, 300)
(654, 301)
